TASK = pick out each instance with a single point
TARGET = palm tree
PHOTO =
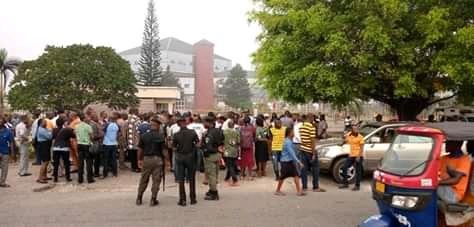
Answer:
(7, 66)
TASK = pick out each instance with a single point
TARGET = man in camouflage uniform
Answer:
(213, 143)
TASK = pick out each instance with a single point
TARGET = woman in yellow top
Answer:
(277, 138)
(356, 157)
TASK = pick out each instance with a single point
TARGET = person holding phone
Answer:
(356, 157)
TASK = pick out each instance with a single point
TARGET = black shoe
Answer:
(154, 202)
(80, 181)
(194, 201)
(208, 193)
(213, 196)
(68, 179)
(356, 188)
(343, 186)
(25, 175)
(55, 180)
(138, 201)
(182, 203)
(91, 181)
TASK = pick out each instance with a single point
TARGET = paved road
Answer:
(110, 202)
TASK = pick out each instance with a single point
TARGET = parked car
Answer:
(377, 136)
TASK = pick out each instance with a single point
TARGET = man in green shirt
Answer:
(231, 152)
(84, 137)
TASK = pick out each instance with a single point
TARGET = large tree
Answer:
(7, 67)
(236, 89)
(73, 77)
(400, 52)
(149, 69)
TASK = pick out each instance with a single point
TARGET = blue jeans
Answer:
(309, 165)
(276, 155)
(110, 159)
(447, 194)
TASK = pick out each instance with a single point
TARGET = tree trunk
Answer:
(408, 110)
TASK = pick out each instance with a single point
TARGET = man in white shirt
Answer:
(197, 126)
(296, 130)
(230, 117)
(21, 139)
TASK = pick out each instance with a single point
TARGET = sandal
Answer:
(280, 194)
(4, 186)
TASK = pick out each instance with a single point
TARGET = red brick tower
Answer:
(204, 76)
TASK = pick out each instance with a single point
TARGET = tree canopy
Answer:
(399, 52)
(149, 68)
(73, 77)
(236, 89)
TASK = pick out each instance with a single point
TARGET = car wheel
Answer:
(337, 171)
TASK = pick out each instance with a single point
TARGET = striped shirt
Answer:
(307, 134)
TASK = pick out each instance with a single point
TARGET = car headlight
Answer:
(323, 151)
(404, 201)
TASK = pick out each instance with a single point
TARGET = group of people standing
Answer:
(240, 143)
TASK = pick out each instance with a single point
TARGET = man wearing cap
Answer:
(184, 143)
(213, 146)
(150, 150)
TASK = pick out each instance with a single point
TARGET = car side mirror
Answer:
(375, 139)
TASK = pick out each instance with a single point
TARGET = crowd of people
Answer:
(98, 145)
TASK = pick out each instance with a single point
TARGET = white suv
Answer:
(377, 136)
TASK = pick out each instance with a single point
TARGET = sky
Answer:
(27, 26)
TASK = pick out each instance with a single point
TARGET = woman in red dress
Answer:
(247, 139)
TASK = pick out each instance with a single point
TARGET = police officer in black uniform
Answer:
(185, 143)
(150, 149)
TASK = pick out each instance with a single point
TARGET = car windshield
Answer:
(408, 155)
(367, 129)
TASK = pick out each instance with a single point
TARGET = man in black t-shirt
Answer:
(184, 143)
(150, 150)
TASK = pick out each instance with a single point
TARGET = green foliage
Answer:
(169, 80)
(73, 77)
(399, 52)
(236, 89)
(149, 69)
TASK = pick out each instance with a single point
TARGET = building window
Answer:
(186, 85)
(161, 107)
(180, 105)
